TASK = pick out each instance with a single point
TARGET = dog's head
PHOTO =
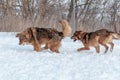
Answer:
(77, 35)
(25, 36)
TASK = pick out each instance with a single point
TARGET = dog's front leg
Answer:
(97, 49)
(83, 48)
(37, 47)
(54, 50)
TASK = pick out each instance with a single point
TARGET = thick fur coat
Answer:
(48, 36)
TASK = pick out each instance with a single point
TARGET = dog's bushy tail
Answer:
(115, 35)
(66, 28)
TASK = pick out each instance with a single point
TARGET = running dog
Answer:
(48, 36)
(88, 39)
(102, 36)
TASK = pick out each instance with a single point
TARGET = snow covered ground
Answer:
(22, 63)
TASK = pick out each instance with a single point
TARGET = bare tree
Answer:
(15, 15)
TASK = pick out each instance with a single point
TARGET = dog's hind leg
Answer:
(112, 45)
(106, 47)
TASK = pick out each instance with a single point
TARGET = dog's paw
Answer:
(78, 49)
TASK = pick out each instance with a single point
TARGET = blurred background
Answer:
(90, 15)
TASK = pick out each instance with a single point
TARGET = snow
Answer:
(19, 62)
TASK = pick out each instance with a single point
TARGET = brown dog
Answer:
(88, 39)
(48, 36)
(101, 36)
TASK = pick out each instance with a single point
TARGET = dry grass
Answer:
(13, 23)
(17, 23)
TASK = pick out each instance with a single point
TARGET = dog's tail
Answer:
(115, 35)
(66, 28)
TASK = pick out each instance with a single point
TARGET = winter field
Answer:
(19, 62)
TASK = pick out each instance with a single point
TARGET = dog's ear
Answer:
(28, 33)
(18, 34)
(78, 34)
(27, 36)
